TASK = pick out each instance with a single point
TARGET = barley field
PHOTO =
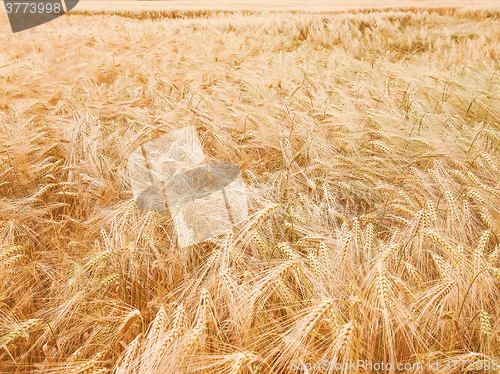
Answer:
(369, 144)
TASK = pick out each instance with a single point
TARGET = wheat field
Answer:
(369, 144)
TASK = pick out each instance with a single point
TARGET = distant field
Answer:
(369, 142)
(312, 5)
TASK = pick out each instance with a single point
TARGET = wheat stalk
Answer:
(478, 253)
(238, 360)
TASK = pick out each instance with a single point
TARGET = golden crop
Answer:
(369, 142)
